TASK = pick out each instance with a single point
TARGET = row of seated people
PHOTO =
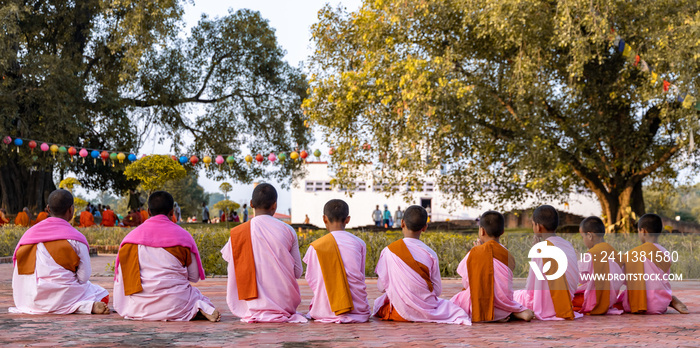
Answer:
(158, 260)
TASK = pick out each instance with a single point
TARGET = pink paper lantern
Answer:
(44, 147)
(219, 160)
(271, 157)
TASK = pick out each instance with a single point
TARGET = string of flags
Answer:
(688, 101)
(119, 156)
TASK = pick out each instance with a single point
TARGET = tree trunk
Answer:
(622, 208)
(22, 187)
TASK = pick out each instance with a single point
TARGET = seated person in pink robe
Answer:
(264, 265)
(52, 266)
(651, 296)
(335, 270)
(596, 296)
(487, 276)
(549, 292)
(154, 268)
(409, 278)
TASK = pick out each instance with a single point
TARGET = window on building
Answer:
(316, 186)
(429, 187)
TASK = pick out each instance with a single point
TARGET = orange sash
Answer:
(600, 266)
(60, 250)
(636, 287)
(480, 272)
(334, 277)
(400, 249)
(244, 262)
(131, 269)
(559, 291)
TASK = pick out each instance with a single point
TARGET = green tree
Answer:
(226, 206)
(509, 99)
(155, 171)
(106, 74)
(672, 201)
(188, 194)
(225, 188)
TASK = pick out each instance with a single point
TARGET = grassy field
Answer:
(450, 247)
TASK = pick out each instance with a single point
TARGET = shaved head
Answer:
(60, 202)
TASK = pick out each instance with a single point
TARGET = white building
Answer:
(310, 194)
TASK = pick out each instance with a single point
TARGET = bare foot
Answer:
(100, 308)
(525, 315)
(678, 305)
(213, 317)
(504, 320)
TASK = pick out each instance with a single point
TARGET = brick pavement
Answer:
(111, 330)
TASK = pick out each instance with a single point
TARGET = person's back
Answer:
(336, 271)
(648, 287)
(86, 218)
(205, 213)
(263, 265)
(22, 218)
(52, 266)
(156, 263)
(409, 276)
(550, 299)
(487, 276)
(109, 218)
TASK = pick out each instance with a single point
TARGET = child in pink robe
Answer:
(277, 266)
(550, 302)
(154, 268)
(352, 253)
(409, 278)
(652, 296)
(52, 266)
(499, 284)
(599, 261)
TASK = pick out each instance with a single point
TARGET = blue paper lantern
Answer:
(183, 159)
(132, 157)
(95, 154)
(18, 142)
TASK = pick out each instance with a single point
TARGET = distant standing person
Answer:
(134, 200)
(205, 213)
(377, 216)
(245, 212)
(306, 219)
(177, 212)
(387, 217)
(398, 216)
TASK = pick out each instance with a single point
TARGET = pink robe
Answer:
(503, 303)
(408, 292)
(587, 286)
(659, 294)
(277, 267)
(167, 294)
(352, 252)
(52, 289)
(536, 295)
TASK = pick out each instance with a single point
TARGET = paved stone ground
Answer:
(106, 331)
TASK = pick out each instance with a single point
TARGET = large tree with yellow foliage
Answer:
(511, 99)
